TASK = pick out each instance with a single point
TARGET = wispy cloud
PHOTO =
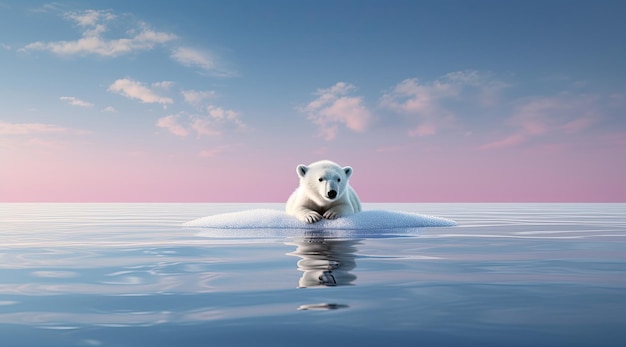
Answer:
(333, 108)
(201, 59)
(196, 97)
(163, 84)
(205, 126)
(76, 101)
(42, 143)
(213, 122)
(93, 25)
(37, 128)
(579, 124)
(49, 7)
(136, 90)
(224, 115)
(616, 138)
(91, 19)
(427, 103)
(193, 58)
(171, 124)
(547, 116)
(508, 141)
(109, 109)
(424, 101)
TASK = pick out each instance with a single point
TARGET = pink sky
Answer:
(399, 174)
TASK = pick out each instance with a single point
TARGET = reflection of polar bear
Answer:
(325, 262)
(323, 192)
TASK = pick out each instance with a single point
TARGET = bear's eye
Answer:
(321, 179)
(338, 179)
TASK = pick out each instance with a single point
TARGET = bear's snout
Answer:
(332, 194)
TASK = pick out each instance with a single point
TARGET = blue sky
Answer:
(427, 100)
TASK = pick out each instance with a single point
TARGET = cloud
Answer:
(109, 109)
(221, 114)
(76, 101)
(333, 107)
(171, 124)
(90, 18)
(205, 126)
(36, 128)
(195, 97)
(213, 122)
(93, 24)
(465, 77)
(137, 90)
(104, 33)
(163, 84)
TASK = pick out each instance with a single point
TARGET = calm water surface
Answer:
(131, 275)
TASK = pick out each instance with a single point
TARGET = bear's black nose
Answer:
(332, 194)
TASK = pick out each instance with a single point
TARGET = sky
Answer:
(219, 101)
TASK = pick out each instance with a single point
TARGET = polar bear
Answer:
(324, 192)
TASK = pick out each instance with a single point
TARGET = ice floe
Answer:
(275, 219)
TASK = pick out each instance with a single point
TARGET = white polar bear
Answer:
(323, 192)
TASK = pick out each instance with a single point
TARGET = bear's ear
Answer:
(301, 170)
(348, 171)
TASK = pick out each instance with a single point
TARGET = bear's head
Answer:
(324, 181)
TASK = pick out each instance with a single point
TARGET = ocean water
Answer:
(132, 275)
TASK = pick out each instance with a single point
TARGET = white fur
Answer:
(311, 202)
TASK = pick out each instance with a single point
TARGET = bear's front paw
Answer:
(312, 217)
(331, 214)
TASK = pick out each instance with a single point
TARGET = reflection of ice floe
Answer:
(54, 274)
(325, 262)
(8, 302)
